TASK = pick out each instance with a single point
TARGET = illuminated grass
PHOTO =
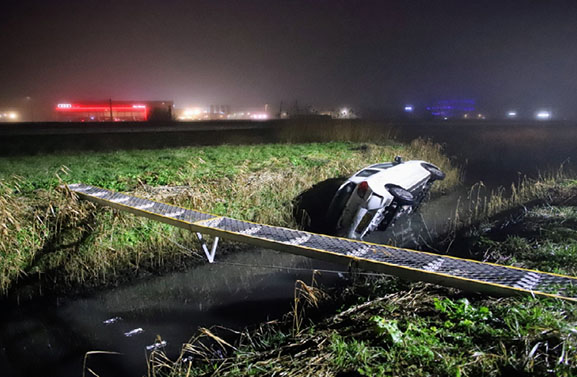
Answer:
(44, 232)
(416, 332)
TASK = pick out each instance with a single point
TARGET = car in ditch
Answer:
(375, 196)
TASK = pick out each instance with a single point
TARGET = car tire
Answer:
(402, 196)
(436, 173)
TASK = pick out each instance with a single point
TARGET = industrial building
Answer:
(114, 111)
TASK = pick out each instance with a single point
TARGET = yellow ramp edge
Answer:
(408, 264)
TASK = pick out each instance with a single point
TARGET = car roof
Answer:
(371, 172)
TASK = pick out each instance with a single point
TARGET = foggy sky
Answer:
(365, 54)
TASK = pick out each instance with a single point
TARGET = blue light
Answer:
(451, 108)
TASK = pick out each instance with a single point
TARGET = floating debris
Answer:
(134, 332)
(112, 320)
(156, 345)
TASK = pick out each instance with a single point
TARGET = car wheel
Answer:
(436, 173)
(402, 196)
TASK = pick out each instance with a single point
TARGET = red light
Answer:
(102, 108)
(99, 108)
(362, 189)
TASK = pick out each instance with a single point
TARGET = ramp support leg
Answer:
(209, 254)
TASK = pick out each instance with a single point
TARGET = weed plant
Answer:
(420, 331)
(526, 192)
(540, 236)
(343, 130)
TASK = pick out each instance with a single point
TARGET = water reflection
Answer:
(240, 289)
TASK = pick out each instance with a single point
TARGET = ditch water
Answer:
(51, 335)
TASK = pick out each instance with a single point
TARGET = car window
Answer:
(385, 165)
(367, 173)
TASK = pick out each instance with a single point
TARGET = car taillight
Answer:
(362, 189)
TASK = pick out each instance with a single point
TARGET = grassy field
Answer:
(376, 327)
(387, 327)
(47, 233)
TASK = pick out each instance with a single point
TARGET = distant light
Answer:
(344, 111)
(259, 116)
(543, 115)
(139, 106)
(192, 113)
(64, 105)
(409, 108)
(512, 114)
(12, 116)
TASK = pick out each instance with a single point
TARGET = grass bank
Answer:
(47, 234)
(386, 327)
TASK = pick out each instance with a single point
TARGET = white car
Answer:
(378, 194)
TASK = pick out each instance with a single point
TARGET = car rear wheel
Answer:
(402, 196)
(436, 173)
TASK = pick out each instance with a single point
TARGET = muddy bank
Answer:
(548, 224)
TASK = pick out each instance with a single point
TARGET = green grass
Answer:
(424, 331)
(48, 232)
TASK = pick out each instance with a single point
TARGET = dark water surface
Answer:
(49, 337)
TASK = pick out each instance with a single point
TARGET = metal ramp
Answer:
(408, 264)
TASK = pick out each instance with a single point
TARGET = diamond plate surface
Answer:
(161, 209)
(410, 259)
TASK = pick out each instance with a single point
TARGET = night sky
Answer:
(370, 55)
